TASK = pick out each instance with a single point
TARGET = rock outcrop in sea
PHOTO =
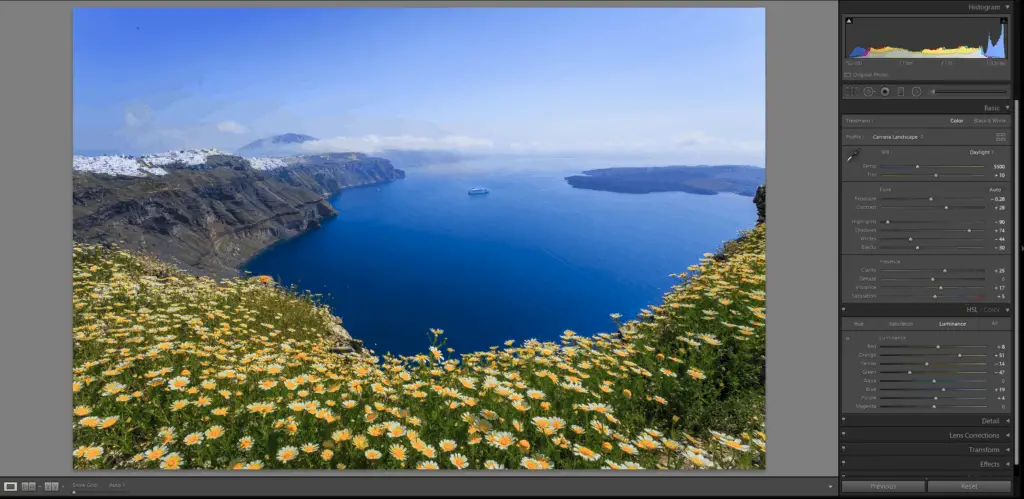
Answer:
(759, 201)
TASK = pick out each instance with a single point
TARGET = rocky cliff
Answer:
(329, 173)
(730, 247)
(211, 219)
(759, 201)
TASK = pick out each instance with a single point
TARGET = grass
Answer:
(173, 371)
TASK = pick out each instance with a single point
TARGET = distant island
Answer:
(705, 180)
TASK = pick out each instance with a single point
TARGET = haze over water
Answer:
(529, 260)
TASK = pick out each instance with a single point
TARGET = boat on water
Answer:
(478, 190)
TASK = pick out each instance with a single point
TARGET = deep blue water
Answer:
(529, 260)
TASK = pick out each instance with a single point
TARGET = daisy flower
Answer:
(458, 460)
(398, 452)
(193, 439)
(646, 442)
(287, 453)
(214, 432)
(92, 453)
(171, 461)
(178, 384)
(501, 440)
(585, 453)
(530, 463)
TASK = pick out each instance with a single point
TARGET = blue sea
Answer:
(531, 259)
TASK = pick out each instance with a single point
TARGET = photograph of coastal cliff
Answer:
(418, 239)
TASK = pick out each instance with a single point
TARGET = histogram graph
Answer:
(926, 38)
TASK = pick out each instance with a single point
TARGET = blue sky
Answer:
(683, 84)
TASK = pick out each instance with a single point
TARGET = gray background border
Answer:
(35, 215)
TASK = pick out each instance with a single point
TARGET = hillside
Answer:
(706, 180)
(174, 371)
(332, 172)
(206, 212)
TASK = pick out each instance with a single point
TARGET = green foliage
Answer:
(174, 371)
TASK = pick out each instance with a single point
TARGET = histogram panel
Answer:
(926, 38)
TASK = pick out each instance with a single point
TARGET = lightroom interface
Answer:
(509, 248)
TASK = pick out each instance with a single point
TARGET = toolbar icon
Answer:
(51, 486)
(10, 486)
(28, 486)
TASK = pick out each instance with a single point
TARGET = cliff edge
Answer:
(211, 217)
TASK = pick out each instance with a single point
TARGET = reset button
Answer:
(970, 487)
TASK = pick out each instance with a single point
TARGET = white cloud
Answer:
(685, 144)
(698, 139)
(137, 115)
(377, 143)
(153, 138)
(130, 119)
(627, 140)
(682, 143)
(232, 127)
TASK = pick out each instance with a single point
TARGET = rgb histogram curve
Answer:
(924, 38)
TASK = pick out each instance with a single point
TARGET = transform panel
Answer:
(927, 247)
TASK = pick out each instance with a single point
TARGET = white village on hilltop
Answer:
(150, 164)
